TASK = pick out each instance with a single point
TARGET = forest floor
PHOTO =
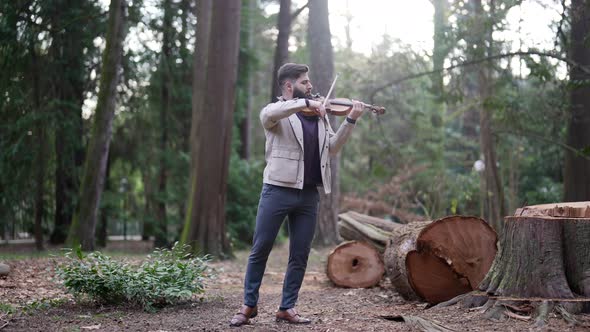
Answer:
(39, 304)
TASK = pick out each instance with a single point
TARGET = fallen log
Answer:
(383, 224)
(440, 260)
(373, 231)
(355, 264)
(430, 261)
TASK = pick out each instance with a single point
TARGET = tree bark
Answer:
(212, 164)
(531, 260)
(190, 232)
(41, 153)
(282, 47)
(494, 194)
(83, 225)
(401, 242)
(245, 77)
(441, 49)
(577, 166)
(102, 236)
(322, 74)
(203, 13)
(161, 239)
(67, 50)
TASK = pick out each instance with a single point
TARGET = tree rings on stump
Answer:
(567, 210)
(467, 244)
(433, 279)
(355, 264)
(440, 260)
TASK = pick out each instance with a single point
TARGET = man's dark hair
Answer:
(290, 71)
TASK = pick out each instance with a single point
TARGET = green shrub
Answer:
(243, 192)
(166, 277)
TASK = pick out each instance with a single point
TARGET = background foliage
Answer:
(419, 129)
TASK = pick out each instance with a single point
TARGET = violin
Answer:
(342, 106)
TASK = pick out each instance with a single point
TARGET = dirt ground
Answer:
(329, 307)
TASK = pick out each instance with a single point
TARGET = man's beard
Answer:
(297, 93)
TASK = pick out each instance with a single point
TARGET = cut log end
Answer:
(433, 279)
(451, 256)
(466, 243)
(355, 264)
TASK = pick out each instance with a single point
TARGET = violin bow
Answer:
(330, 91)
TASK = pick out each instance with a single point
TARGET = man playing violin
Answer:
(299, 143)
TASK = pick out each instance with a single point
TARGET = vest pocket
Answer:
(284, 165)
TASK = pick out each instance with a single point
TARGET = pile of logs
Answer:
(433, 261)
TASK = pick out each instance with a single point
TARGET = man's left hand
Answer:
(358, 108)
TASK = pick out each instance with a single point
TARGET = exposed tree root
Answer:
(510, 314)
(3, 322)
(452, 301)
(525, 309)
(420, 323)
(494, 310)
(542, 313)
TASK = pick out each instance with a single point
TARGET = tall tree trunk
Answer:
(245, 78)
(186, 78)
(212, 163)
(187, 73)
(67, 50)
(322, 73)
(165, 63)
(41, 155)
(577, 167)
(148, 222)
(282, 48)
(441, 49)
(436, 136)
(84, 222)
(494, 194)
(102, 235)
(203, 14)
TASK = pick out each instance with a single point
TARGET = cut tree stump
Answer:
(543, 262)
(355, 264)
(440, 260)
(569, 209)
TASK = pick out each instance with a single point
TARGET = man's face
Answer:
(302, 87)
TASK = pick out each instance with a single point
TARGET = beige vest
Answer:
(284, 144)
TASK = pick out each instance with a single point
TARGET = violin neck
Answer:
(340, 102)
(346, 103)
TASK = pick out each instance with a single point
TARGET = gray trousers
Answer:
(301, 206)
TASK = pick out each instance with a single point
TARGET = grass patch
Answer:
(7, 308)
